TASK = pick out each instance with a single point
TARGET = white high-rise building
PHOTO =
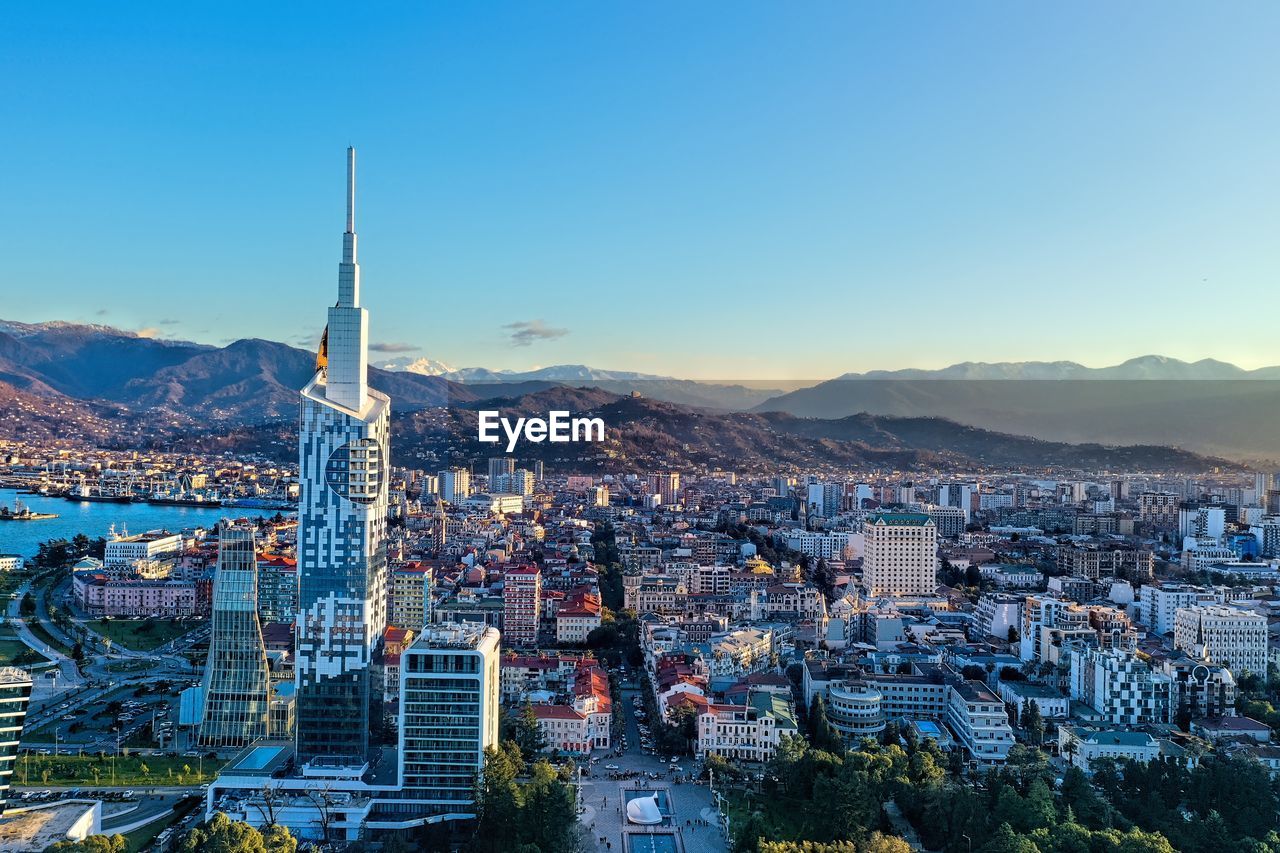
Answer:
(449, 687)
(455, 485)
(1225, 635)
(1158, 605)
(342, 516)
(901, 554)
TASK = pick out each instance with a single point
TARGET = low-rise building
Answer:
(749, 732)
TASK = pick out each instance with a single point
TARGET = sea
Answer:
(96, 519)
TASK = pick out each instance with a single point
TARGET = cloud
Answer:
(394, 347)
(149, 332)
(101, 312)
(168, 321)
(526, 332)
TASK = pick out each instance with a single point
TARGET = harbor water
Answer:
(95, 519)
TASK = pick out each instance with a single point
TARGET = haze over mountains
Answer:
(1207, 406)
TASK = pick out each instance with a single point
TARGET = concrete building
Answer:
(455, 485)
(1083, 747)
(901, 554)
(127, 550)
(1120, 686)
(1225, 635)
(996, 613)
(448, 713)
(409, 601)
(749, 732)
(976, 717)
(521, 605)
(1158, 605)
(277, 588)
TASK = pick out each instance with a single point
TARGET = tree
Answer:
(1005, 840)
(821, 732)
(91, 844)
(221, 834)
(1079, 796)
(526, 732)
(1032, 722)
(498, 799)
(1013, 634)
(278, 839)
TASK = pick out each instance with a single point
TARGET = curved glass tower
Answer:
(237, 682)
(343, 470)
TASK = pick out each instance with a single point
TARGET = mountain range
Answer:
(1205, 407)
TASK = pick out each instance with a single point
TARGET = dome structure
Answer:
(644, 811)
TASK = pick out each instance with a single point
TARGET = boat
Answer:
(87, 494)
(22, 512)
(184, 500)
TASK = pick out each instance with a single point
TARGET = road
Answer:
(603, 797)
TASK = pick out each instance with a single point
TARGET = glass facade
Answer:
(15, 692)
(237, 683)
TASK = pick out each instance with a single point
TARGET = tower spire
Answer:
(348, 330)
(349, 270)
(351, 192)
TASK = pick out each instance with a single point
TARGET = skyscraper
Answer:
(15, 692)
(342, 516)
(237, 683)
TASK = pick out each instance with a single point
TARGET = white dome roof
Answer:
(644, 811)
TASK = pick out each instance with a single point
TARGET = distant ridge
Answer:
(1205, 406)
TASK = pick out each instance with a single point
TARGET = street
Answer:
(604, 798)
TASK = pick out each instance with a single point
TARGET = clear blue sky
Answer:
(702, 189)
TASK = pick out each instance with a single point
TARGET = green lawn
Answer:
(11, 649)
(129, 665)
(69, 770)
(36, 627)
(140, 635)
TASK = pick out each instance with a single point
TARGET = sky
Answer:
(709, 190)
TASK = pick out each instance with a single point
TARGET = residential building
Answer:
(1158, 605)
(455, 485)
(577, 616)
(1120, 686)
(521, 605)
(1083, 747)
(977, 718)
(1226, 635)
(448, 714)
(996, 613)
(277, 588)
(409, 604)
(749, 732)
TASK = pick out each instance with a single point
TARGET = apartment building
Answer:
(1225, 635)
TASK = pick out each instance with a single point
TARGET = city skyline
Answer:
(894, 152)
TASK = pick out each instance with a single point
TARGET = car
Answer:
(611, 767)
